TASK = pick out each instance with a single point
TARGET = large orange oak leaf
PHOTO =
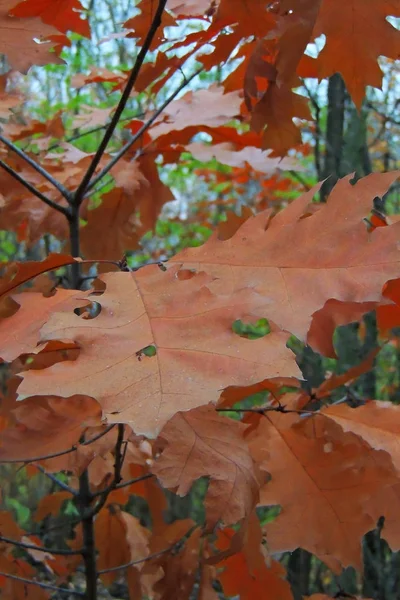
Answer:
(65, 15)
(357, 34)
(203, 109)
(245, 574)
(299, 259)
(17, 39)
(19, 273)
(119, 539)
(130, 209)
(196, 353)
(201, 443)
(49, 425)
(19, 334)
(377, 422)
(323, 479)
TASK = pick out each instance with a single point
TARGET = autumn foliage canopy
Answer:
(135, 385)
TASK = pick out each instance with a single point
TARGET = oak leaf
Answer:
(17, 37)
(346, 51)
(296, 261)
(246, 573)
(130, 209)
(65, 15)
(201, 443)
(19, 334)
(119, 539)
(182, 119)
(47, 425)
(51, 505)
(180, 317)
(376, 422)
(19, 273)
(323, 479)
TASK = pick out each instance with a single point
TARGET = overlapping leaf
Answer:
(201, 443)
(325, 481)
(196, 355)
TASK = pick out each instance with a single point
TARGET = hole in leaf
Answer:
(251, 331)
(147, 351)
(184, 274)
(90, 311)
(266, 514)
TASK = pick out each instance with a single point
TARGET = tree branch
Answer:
(55, 480)
(33, 190)
(46, 586)
(119, 459)
(126, 483)
(150, 556)
(27, 546)
(63, 190)
(141, 131)
(62, 452)
(80, 192)
(89, 544)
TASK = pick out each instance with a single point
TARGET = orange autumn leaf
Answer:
(17, 39)
(323, 479)
(51, 505)
(62, 14)
(150, 312)
(345, 51)
(202, 443)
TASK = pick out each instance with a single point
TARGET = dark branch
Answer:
(146, 558)
(62, 452)
(119, 459)
(79, 195)
(262, 410)
(63, 190)
(176, 545)
(127, 483)
(87, 132)
(46, 586)
(27, 546)
(33, 190)
(57, 481)
(141, 131)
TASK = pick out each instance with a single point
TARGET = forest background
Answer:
(209, 135)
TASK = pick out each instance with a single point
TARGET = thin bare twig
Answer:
(33, 190)
(80, 192)
(150, 556)
(127, 483)
(46, 586)
(59, 186)
(119, 459)
(57, 481)
(141, 131)
(265, 409)
(300, 179)
(82, 134)
(62, 452)
(27, 546)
